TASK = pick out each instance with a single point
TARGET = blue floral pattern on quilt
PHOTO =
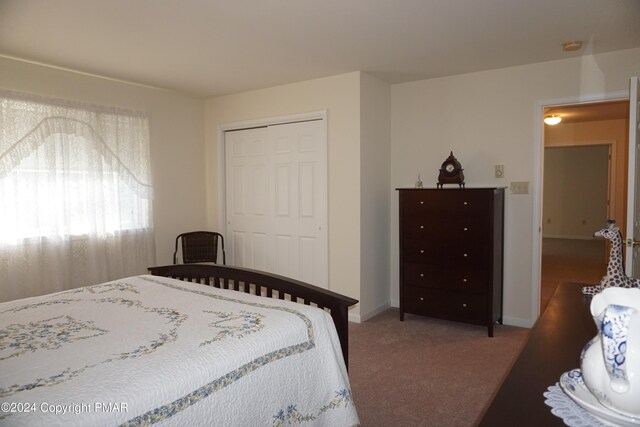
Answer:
(46, 334)
(172, 351)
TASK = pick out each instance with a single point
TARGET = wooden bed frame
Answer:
(266, 285)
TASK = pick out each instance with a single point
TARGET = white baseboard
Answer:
(555, 236)
(511, 321)
(359, 318)
(355, 318)
(375, 312)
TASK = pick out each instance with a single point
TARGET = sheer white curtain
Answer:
(75, 195)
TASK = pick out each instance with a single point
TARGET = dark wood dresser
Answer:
(554, 346)
(451, 251)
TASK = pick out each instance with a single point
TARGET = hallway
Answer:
(574, 260)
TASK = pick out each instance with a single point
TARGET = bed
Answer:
(186, 345)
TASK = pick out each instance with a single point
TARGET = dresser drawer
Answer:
(433, 203)
(446, 253)
(470, 279)
(434, 276)
(459, 228)
(429, 275)
(460, 306)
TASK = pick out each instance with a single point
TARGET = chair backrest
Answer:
(199, 246)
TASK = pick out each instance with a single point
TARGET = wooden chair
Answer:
(200, 246)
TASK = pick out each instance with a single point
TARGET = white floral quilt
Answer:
(146, 350)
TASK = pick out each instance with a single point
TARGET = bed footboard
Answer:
(266, 285)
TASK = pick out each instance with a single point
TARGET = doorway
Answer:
(584, 185)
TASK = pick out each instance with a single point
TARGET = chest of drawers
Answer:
(451, 251)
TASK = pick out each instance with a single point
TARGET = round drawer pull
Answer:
(465, 203)
(464, 305)
(422, 226)
(421, 274)
(465, 280)
(422, 203)
(421, 299)
(465, 229)
(422, 251)
(465, 255)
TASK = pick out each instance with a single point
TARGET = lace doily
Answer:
(571, 413)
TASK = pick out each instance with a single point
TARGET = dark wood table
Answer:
(553, 347)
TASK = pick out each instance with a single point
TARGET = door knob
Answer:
(633, 243)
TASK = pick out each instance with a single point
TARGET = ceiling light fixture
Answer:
(572, 46)
(552, 119)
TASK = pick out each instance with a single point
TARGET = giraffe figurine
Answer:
(615, 271)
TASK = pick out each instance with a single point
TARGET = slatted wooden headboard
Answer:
(266, 285)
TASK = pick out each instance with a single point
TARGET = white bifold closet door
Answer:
(276, 200)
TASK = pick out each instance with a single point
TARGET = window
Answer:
(44, 200)
(73, 172)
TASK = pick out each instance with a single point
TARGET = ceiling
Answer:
(214, 47)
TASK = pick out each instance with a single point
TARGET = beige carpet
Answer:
(430, 372)
(427, 372)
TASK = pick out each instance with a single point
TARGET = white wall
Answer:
(375, 130)
(176, 130)
(340, 97)
(428, 119)
(489, 118)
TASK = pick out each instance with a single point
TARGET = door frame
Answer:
(538, 170)
(632, 174)
(264, 122)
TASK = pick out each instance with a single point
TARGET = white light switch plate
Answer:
(521, 187)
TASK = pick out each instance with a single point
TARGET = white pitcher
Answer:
(610, 362)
